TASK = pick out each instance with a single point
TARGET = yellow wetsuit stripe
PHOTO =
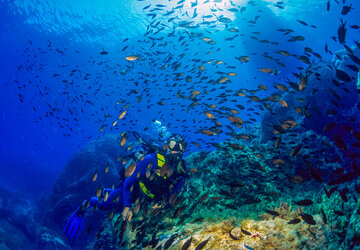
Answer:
(145, 190)
(161, 160)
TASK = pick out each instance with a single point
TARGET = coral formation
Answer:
(266, 232)
(229, 189)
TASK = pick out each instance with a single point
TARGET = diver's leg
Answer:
(74, 224)
(115, 200)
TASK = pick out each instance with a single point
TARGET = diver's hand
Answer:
(84, 205)
(127, 214)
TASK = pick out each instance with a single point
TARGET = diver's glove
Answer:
(74, 224)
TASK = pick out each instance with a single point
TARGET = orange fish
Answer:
(235, 146)
(94, 176)
(130, 169)
(265, 70)
(132, 58)
(278, 162)
(207, 132)
(123, 140)
(235, 119)
(208, 114)
(283, 103)
(263, 87)
(122, 114)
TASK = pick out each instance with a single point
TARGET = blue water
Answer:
(55, 119)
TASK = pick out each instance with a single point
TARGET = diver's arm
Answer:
(176, 190)
(179, 185)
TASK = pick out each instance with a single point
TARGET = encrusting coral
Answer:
(268, 232)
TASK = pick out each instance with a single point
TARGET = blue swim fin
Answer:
(74, 224)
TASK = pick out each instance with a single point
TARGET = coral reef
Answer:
(233, 189)
(266, 232)
(353, 229)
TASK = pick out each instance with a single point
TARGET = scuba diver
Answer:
(156, 176)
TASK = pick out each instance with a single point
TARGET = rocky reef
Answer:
(19, 227)
(76, 184)
(241, 199)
